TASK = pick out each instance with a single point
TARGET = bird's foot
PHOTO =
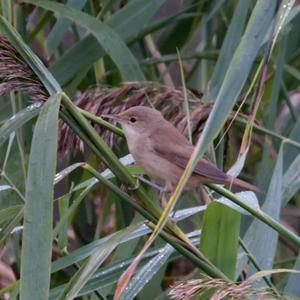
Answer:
(165, 194)
(136, 185)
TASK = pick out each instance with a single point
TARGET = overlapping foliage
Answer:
(232, 64)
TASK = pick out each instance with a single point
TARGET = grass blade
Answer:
(292, 287)
(96, 259)
(8, 228)
(267, 237)
(220, 236)
(259, 214)
(61, 27)
(87, 250)
(18, 120)
(144, 275)
(133, 16)
(10, 212)
(229, 45)
(107, 38)
(37, 234)
(291, 180)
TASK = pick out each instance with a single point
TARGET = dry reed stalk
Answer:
(220, 289)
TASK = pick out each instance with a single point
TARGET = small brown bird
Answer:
(160, 148)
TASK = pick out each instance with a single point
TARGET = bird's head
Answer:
(138, 120)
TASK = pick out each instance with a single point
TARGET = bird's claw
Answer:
(136, 186)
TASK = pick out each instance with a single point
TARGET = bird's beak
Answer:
(113, 117)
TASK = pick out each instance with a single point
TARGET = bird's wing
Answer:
(181, 155)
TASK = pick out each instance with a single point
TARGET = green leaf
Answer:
(259, 214)
(96, 259)
(172, 40)
(145, 274)
(232, 38)
(9, 212)
(220, 236)
(70, 210)
(292, 286)
(291, 181)
(133, 16)
(238, 71)
(63, 204)
(107, 38)
(61, 27)
(271, 115)
(5, 187)
(86, 250)
(248, 198)
(65, 172)
(291, 153)
(259, 236)
(8, 151)
(109, 275)
(8, 228)
(37, 234)
(18, 120)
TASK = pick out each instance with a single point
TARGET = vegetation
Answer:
(78, 219)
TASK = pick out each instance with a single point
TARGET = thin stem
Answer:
(199, 259)
(4, 175)
(185, 96)
(120, 193)
(19, 134)
(77, 267)
(205, 265)
(211, 55)
(271, 133)
(45, 16)
(161, 67)
(259, 214)
(257, 267)
(11, 225)
(288, 100)
(100, 121)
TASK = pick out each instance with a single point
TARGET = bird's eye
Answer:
(132, 120)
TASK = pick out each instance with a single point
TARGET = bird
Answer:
(163, 151)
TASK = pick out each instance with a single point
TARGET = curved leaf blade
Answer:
(229, 45)
(143, 275)
(133, 16)
(292, 286)
(220, 236)
(267, 237)
(18, 120)
(61, 27)
(109, 40)
(37, 234)
(96, 259)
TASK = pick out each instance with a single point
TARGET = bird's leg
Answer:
(150, 183)
(167, 191)
(161, 199)
(136, 185)
(201, 195)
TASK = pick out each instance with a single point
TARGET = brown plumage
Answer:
(163, 151)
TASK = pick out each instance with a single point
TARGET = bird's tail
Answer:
(243, 184)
